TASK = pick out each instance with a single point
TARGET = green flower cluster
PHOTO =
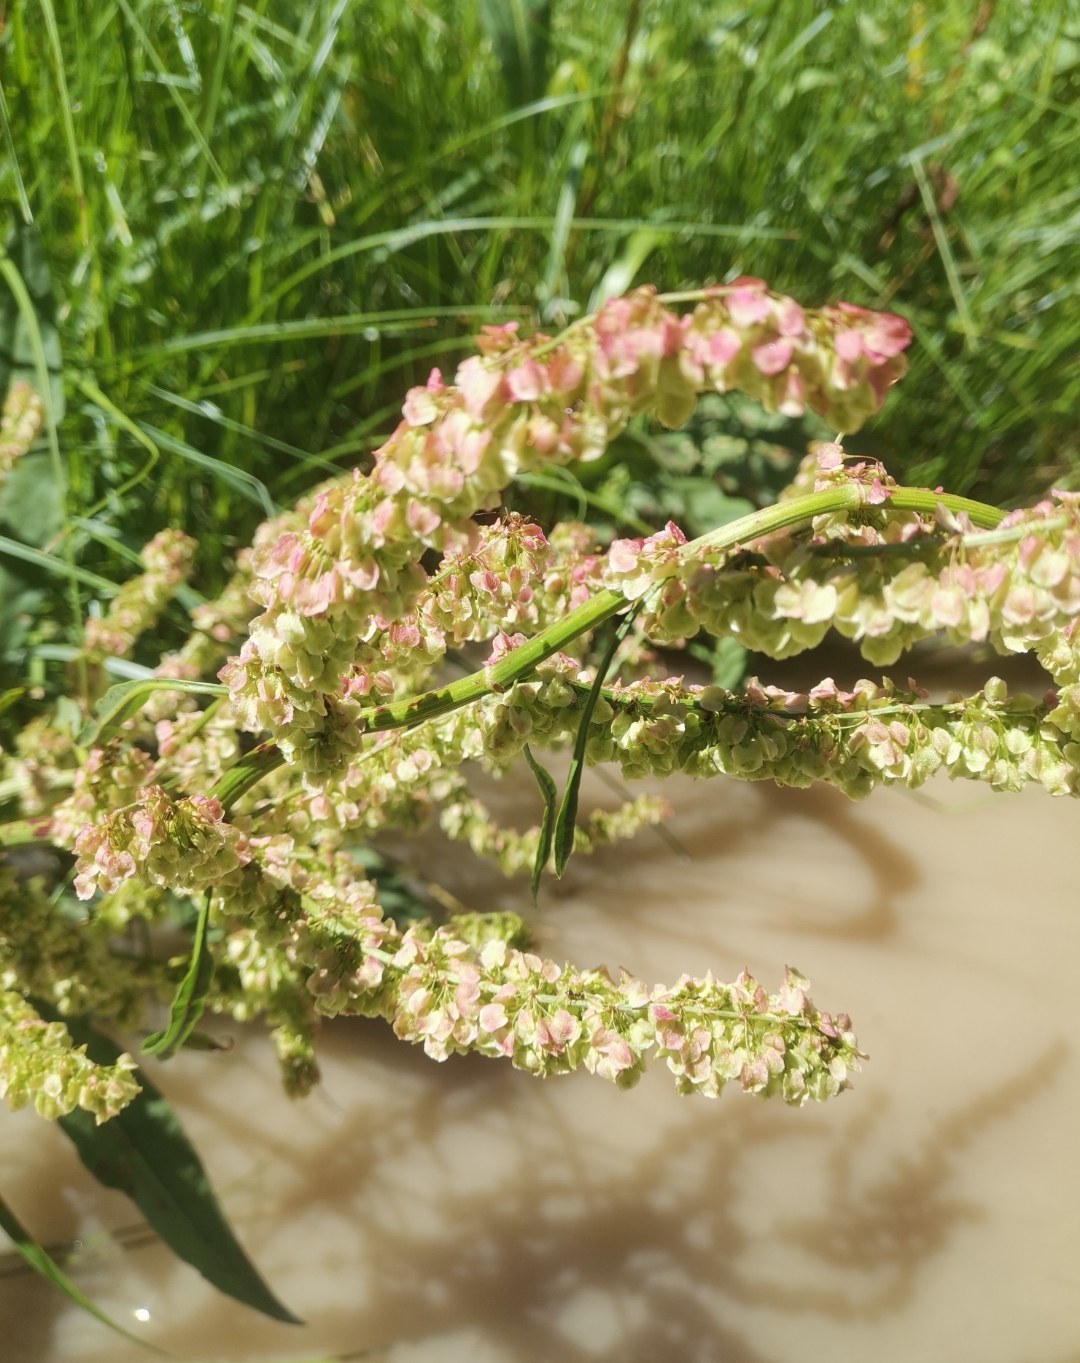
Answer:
(885, 578)
(168, 558)
(20, 423)
(39, 1065)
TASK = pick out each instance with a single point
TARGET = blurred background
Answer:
(249, 228)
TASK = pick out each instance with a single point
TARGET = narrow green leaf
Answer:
(9, 697)
(567, 817)
(190, 996)
(57, 565)
(249, 771)
(246, 483)
(121, 702)
(549, 792)
(145, 1153)
(41, 1263)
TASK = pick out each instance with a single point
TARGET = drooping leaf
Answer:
(145, 1153)
(190, 997)
(549, 793)
(41, 1263)
(566, 818)
(126, 699)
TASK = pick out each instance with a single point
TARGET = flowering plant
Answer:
(235, 786)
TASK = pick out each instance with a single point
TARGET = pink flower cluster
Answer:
(517, 406)
(168, 558)
(20, 423)
(450, 996)
(183, 845)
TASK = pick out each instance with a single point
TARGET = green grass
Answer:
(263, 221)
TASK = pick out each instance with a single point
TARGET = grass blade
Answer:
(66, 119)
(190, 997)
(146, 1154)
(567, 817)
(55, 565)
(20, 187)
(185, 113)
(245, 483)
(549, 791)
(41, 1263)
(947, 258)
(121, 702)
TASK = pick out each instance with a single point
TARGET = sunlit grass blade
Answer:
(41, 1263)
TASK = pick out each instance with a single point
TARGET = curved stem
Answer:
(500, 676)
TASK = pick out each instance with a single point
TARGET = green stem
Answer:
(500, 676)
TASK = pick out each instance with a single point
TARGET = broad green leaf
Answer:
(549, 792)
(566, 819)
(126, 699)
(145, 1153)
(31, 503)
(41, 1263)
(190, 997)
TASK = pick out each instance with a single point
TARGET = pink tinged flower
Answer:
(478, 385)
(887, 334)
(754, 1077)
(848, 344)
(471, 450)
(388, 476)
(486, 581)
(947, 605)
(419, 408)
(492, 1017)
(382, 517)
(829, 455)
(878, 493)
(434, 380)
(564, 372)
(772, 357)
(623, 555)
(790, 318)
(563, 1027)
(747, 306)
(503, 644)
(543, 434)
(526, 382)
(364, 574)
(793, 400)
(404, 635)
(421, 519)
(723, 346)
(465, 997)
